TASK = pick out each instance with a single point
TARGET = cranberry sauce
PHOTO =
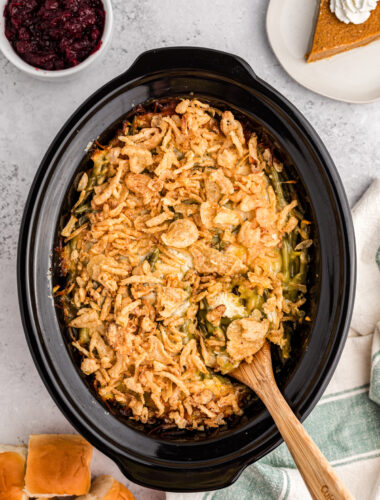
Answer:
(54, 34)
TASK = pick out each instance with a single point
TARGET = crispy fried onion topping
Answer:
(177, 256)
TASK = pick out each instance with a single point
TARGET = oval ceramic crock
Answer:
(189, 461)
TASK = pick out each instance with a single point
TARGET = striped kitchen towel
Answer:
(346, 422)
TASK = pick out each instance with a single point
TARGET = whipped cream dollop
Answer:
(352, 11)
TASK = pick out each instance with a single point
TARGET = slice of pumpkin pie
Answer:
(332, 36)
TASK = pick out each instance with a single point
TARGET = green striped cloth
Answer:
(346, 422)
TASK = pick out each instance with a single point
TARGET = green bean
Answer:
(209, 327)
(84, 335)
(185, 327)
(73, 243)
(293, 265)
(207, 375)
(277, 187)
(225, 323)
(298, 212)
(86, 207)
(255, 301)
(91, 182)
(206, 327)
(300, 277)
(134, 394)
(293, 239)
(188, 337)
(178, 154)
(287, 347)
(82, 220)
(152, 258)
(98, 164)
(203, 329)
(217, 242)
(285, 255)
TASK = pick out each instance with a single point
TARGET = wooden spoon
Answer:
(319, 476)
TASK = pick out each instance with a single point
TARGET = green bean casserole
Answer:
(182, 254)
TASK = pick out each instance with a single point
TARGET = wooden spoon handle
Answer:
(316, 471)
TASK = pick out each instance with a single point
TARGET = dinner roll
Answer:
(107, 488)
(12, 472)
(58, 465)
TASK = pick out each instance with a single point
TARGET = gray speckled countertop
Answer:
(31, 113)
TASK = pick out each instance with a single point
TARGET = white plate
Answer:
(353, 76)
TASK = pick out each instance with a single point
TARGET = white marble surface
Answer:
(31, 112)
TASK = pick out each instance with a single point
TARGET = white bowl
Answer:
(62, 74)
